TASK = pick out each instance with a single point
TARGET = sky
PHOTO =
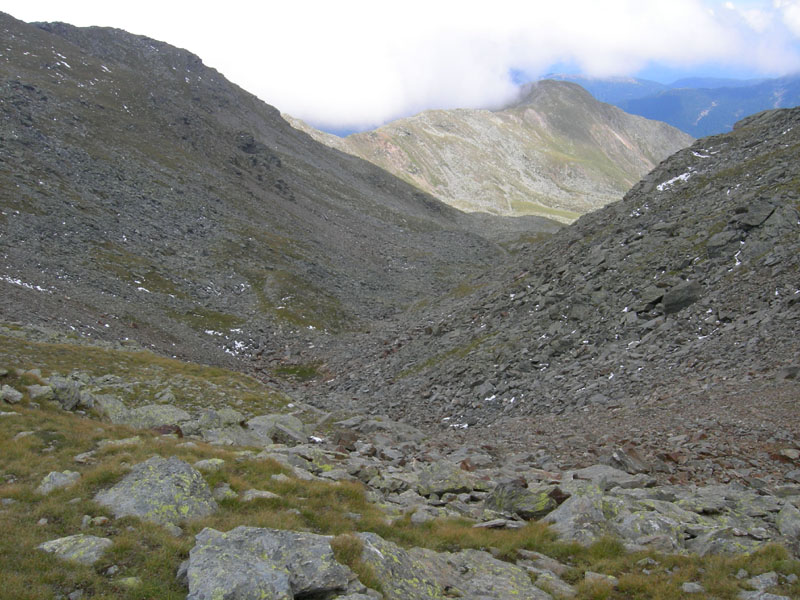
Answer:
(345, 65)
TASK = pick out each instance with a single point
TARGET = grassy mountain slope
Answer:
(556, 152)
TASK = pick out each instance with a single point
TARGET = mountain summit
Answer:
(555, 152)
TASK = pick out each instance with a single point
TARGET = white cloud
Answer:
(353, 63)
(790, 12)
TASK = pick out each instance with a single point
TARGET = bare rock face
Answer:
(161, 490)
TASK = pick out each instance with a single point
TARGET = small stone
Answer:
(763, 581)
(76, 595)
(10, 395)
(43, 392)
(593, 577)
(55, 480)
(84, 458)
(223, 491)
(790, 453)
(131, 441)
(793, 475)
(420, 516)
(251, 495)
(84, 549)
(173, 530)
(112, 570)
(209, 465)
(22, 434)
(129, 582)
(42, 522)
(691, 587)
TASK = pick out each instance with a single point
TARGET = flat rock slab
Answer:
(251, 562)
(161, 490)
(477, 574)
(152, 416)
(81, 548)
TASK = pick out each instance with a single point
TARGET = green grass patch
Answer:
(143, 375)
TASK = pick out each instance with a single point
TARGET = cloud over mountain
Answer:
(356, 63)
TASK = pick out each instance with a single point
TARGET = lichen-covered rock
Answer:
(66, 392)
(443, 477)
(110, 407)
(39, 392)
(514, 498)
(476, 574)
(161, 490)
(81, 548)
(209, 464)
(788, 522)
(580, 517)
(57, 479)
(722, 540)
(402, 576)
(250, 562)
(154, 415)
(10, 395)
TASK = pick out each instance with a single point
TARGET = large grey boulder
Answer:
(254, 563)
(66, 392)
(580, 517)
(277, 429)
(445, 477)
(161, 490)
(81, 548)
(515, 498)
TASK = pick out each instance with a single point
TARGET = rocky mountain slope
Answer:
(417, 392)
(144, 196)
(684, 292)
(556, 152)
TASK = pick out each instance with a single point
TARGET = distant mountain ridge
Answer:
(700, 106)
(555, 152)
